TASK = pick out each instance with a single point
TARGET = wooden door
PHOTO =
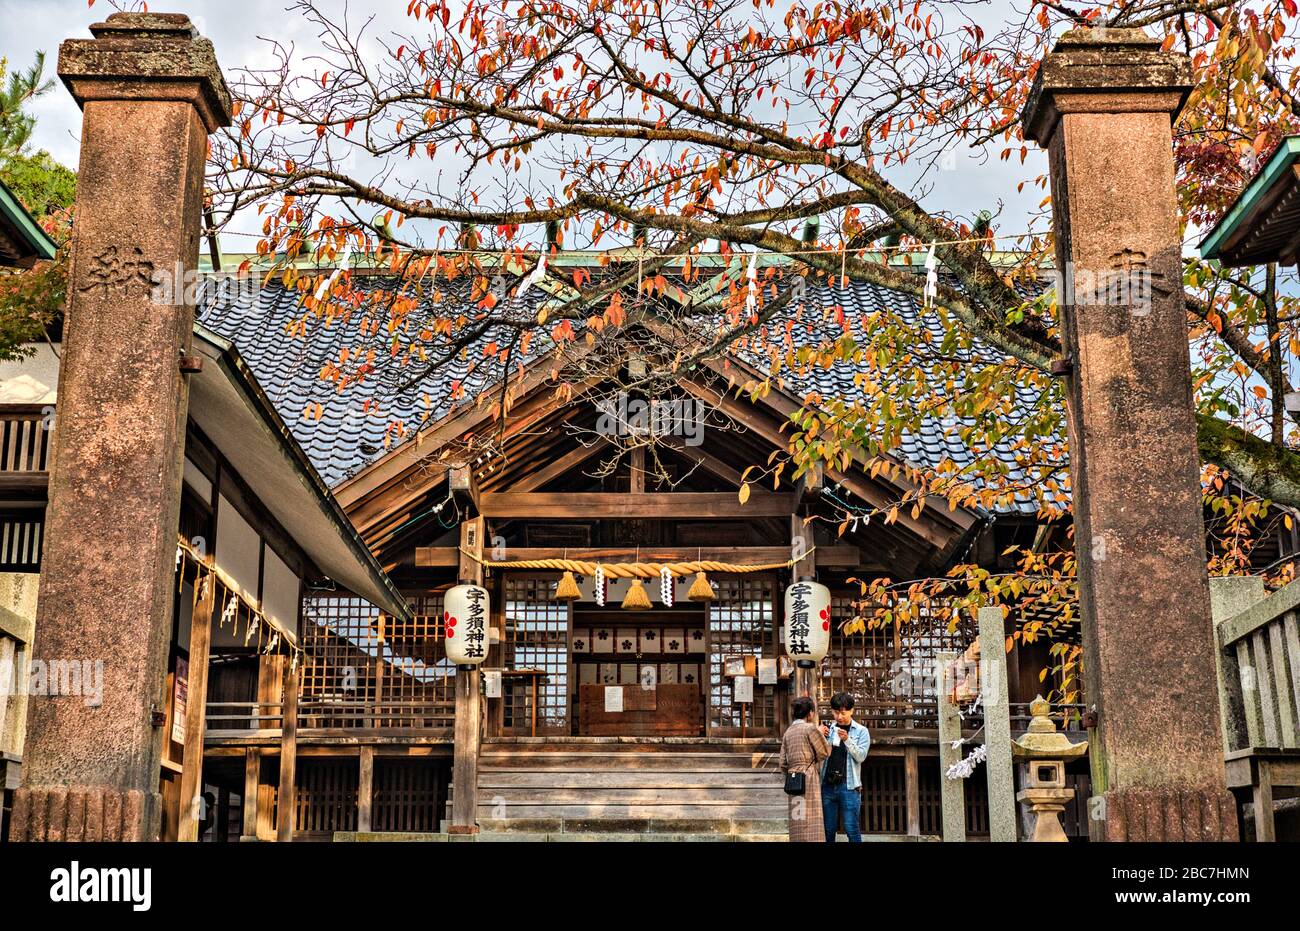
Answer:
(743, 621)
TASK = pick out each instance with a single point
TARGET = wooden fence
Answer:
(1258, 638)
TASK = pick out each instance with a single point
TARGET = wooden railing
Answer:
(1258, 639)
(323, 717)
(1260, 667)
(335, 714)
(243, 719)
(25, 437)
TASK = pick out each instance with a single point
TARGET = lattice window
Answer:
(326, 799)
(415, 656)
(408, 795)
(742, 622)
(889, 669)
(340, 639)
(884, 796)
(345, 659)
(536, 637)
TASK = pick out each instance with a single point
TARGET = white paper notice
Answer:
(492, 683)
(613, 698)
(767, 671)
(743, 689)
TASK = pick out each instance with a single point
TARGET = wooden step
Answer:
(740, 780)
(697, 762)
(607, 812)
(645, 796)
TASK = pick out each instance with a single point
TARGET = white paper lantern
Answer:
(807, 621)
(465, 619)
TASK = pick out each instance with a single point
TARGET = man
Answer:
(842, 771)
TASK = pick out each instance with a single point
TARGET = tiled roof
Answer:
(346, 432)
(347, 436)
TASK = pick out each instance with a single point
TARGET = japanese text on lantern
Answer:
(475, 628)
(798, 619)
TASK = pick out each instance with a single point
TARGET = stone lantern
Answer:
(1044, 749)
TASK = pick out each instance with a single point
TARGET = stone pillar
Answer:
(151, 92)
(998, 766)
(952, 792)
(1102, 105)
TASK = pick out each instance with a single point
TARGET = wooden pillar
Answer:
(150, 92)
(252, 781)
(1103, 105)
(196, 707)
(365, 788)
(286, 808)
(801, 549)
(952, 792)
(1265, 828)
(467, 733)
(912, 789)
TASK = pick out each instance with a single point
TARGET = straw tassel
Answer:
(636, 598)
(701, 590)
(568, 589)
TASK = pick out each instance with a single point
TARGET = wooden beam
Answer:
(801, 548)
(557, 467)
(463, 487)
(707, 461)
(196, 706)
(252, 777)
(925, 527)
(636, 473)
(838, 555)
(365, 788)
(686, 505)
(286, 807)
(467, 732)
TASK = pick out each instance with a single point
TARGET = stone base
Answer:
(84, 813)
(1167, 815)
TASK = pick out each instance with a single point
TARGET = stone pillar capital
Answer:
(147, 57)
(1105, 70)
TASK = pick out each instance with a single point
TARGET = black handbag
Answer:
(796, 783)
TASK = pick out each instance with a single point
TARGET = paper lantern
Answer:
(807, 621)
(465, 620)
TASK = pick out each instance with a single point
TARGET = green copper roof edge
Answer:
(17, 214)
(1285, 156)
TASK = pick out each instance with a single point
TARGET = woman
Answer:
(802, 750)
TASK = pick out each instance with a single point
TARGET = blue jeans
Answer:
(840, 800)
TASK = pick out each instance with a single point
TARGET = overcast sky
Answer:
(234, 26)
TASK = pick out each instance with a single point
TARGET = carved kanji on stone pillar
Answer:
(1103, 105)
(150, 92)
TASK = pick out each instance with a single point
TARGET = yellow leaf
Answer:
(744, 492)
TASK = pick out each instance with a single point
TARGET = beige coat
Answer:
(803, 748)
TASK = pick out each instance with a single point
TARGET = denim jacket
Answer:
(858, 744)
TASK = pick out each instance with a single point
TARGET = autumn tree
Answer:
(488, 132)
